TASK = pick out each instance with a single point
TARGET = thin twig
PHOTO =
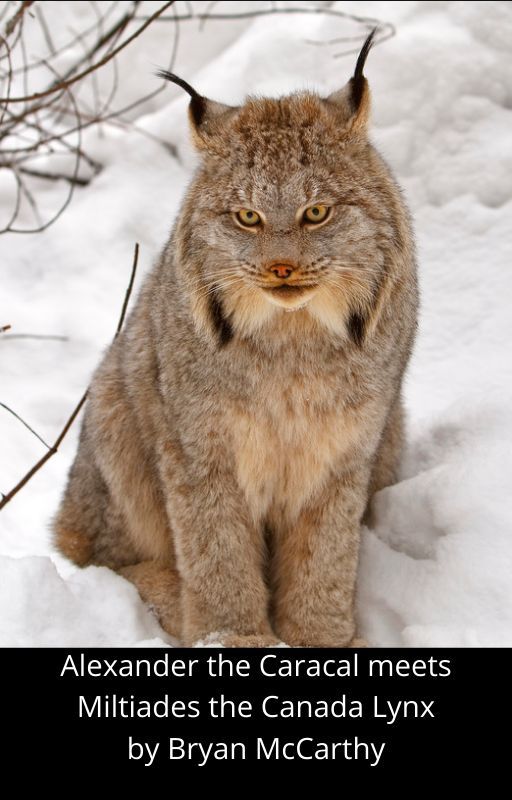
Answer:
(63, 84)
(42, 461)
(29, 197)
(71, 42)
(52, 450)
(17, 203)
(55, 176)
(45, 124)
(129, 290)
(46, 337)
(69, 196)
(112, 34)
(18, 16)
(9, 75)
(46, 31)
(20, 419)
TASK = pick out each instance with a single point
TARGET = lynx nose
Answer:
(281, 270)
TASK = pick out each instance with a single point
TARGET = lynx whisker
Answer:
(215, 287)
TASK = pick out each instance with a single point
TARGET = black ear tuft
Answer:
(197, 103)
(357, 82)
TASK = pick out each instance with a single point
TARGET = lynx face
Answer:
(291, 209)
(286, 164)
(276, 166)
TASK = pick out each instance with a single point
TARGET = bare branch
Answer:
(129, 290)
(25, 424)
(68, 45)
(17, 203)
(47, 122)
(44, 27)
(54, 176)
(62, 84)
(54, 448)
(42, 461)
(47, 337)
(18, 16)
(55, 217)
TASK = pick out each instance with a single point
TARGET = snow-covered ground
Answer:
(437, 568)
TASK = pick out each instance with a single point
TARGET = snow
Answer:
(435, 570)
(52, 611)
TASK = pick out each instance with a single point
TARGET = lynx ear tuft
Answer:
(352, 102)
(197, 103)
(203, 112)
(358, 83)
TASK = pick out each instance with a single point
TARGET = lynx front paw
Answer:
(225, 639)
(254, 640)
(295, 636)
(358, 641)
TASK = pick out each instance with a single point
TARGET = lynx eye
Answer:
(315, 214)
(248, 218)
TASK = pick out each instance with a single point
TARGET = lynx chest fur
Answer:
(288, 440)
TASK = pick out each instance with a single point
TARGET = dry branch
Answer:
(44, 337)
(18, 16)
(23, 422)
(31, 125)
(65, 83)
(49, 122)
(54, 448)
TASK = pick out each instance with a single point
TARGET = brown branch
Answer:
(17, 17)
(54, 176)
(9, 75)
(387, 29)
(19, 30)
(46, 138)
(106, 41)
(29, 197)
(46, 31)
(20, 419)
(53, 337)
(128, 291)
(17, 203)
(63, 84)
(42, 461)
(5, 328)
(265, 12)
(112, 34)
(71, 42)
(54, 448)
(77, 150)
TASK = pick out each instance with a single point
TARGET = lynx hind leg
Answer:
(387, 460)
(159, 586)
(79, 519)
(87, 528)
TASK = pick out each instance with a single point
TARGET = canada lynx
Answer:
(229, 447)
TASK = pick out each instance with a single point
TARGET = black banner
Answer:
(201, 711)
